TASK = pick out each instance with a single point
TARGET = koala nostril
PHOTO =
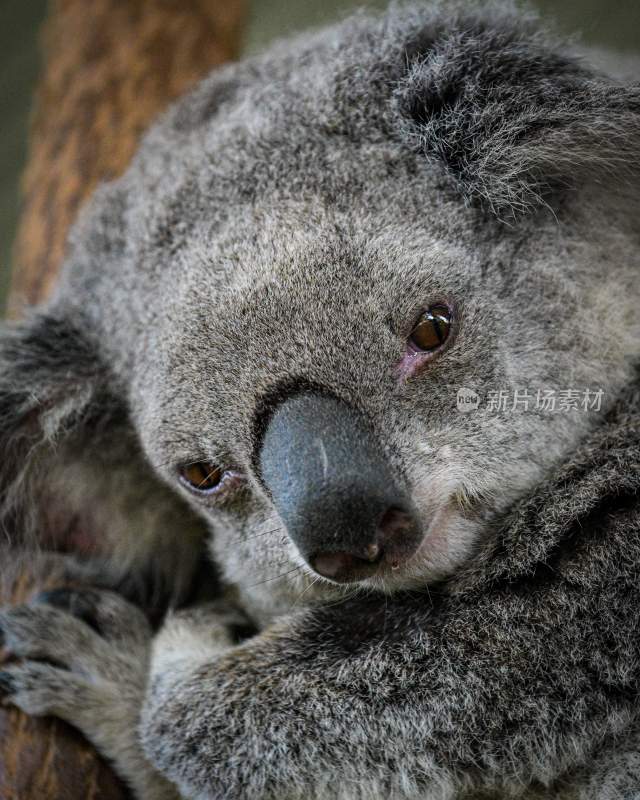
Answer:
(396, 523)
(372, 552)
(398, 535)
(394, 541)
(343, 566)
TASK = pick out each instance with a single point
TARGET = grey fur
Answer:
(281, 228)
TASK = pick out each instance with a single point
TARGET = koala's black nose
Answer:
(334, 490)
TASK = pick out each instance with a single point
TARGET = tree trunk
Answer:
(110, 67)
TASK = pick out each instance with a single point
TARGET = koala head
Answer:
(314, 256)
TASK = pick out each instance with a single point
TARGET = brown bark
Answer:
(110, 67)
(46, 759)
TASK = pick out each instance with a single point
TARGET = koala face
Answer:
(317, 250)
(292, 405)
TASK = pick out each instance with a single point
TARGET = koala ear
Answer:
(48, 377)
(72, 473)
(514, 119)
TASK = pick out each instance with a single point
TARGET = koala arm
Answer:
(390, 698)
(504, 684)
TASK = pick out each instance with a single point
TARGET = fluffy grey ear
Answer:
(513, 117)
(72, 474)
(48, 378)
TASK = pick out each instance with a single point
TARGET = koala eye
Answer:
(432, 329)
(202, 477)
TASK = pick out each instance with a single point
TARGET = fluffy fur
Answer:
(280, 229)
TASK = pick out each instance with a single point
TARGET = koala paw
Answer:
(83, 656)
(88, 636)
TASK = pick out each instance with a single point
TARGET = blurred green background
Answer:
(611, 23)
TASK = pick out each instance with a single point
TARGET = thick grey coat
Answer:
(279, 232)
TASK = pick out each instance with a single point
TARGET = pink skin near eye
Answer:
(414, 359)
(411, 362)
(230, 481)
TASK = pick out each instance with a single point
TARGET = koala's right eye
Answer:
(202, 477)
(432, 329)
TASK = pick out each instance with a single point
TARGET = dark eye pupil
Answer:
(432, 329)
(201, 476)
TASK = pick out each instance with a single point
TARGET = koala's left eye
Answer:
(432, 329)
(202, 477)
(205, 478)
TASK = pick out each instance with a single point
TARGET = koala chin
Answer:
(355, 301)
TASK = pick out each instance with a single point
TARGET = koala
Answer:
(255, 356)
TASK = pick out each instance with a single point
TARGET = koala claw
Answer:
(39, 689)
(82, 605)
(83, 656)
(73, 643)
(7, 683)
(107, 613)
(91, 633)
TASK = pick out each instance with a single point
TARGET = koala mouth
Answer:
(453, 535)
(410, 556)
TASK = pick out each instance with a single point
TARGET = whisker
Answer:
(349, 594)
(240, 539)
(205, 479)
(304, 591)
(275, 578)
